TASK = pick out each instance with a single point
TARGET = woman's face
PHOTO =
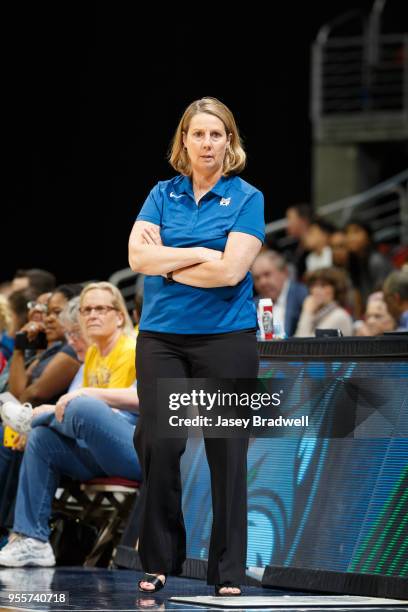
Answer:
(338, 245)
(315, 239)
(378, 319)
(76, 339)
(206, 142)
(357, 238)
(99, 316)
(53, 328)
(322, 292)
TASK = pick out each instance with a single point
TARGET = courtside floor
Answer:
(103, 589)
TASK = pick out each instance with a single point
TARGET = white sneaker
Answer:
(17, 416)
(24, 551)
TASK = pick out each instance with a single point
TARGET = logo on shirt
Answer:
(225, 201)
(99, 378)
(174, 195)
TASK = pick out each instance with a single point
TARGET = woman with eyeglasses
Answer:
(88, 434)
(49, 375)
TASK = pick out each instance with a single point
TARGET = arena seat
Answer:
(113, 496)
(104, 503)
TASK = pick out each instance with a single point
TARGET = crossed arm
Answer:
(197, 266)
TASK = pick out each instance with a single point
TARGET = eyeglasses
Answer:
(86, 311)
(37, 306)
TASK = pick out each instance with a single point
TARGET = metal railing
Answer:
(384, 207)
(345, 82)
(360, 77)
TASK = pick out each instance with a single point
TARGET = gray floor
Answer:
(102, 589)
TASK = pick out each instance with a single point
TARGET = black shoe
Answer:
(154, 580)
(229, 585)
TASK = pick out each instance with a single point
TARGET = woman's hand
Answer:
(151, 235)
(63, 403)
(311, 305)
(162, 259)
(32, 329)
(206, 255)
(42, 409)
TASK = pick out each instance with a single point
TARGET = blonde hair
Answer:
(5, 315)
(117, 301)
(235, 156)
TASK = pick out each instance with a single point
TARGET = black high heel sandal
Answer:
(227, 585)
(154, 580)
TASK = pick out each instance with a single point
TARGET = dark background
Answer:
(93, 93)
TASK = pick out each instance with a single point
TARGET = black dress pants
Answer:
(162, 536)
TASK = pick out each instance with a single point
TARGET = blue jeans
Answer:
(59, 448)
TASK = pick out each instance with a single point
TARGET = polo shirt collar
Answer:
(186, 186)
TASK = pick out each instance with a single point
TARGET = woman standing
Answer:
(195, 240)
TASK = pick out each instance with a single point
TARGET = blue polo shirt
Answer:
(232, 205)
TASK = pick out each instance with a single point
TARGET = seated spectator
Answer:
(37, 312)
(340, 254)
(50, 374)
(323, 308)
(18, 302)
(23, 308)
(40, 281)
(299, 218)
(367, 267)
(377, 319)
(396, 297)
(88, 434)
(317, 241)
(6, 341)
(271, 280)
(19, 316)
(75, 337)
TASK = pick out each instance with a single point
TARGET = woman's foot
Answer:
(151, 583)
(227, 590)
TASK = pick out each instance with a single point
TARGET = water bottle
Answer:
(265, 318)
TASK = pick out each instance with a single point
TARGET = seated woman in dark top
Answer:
(367, 267)
(49, 374)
